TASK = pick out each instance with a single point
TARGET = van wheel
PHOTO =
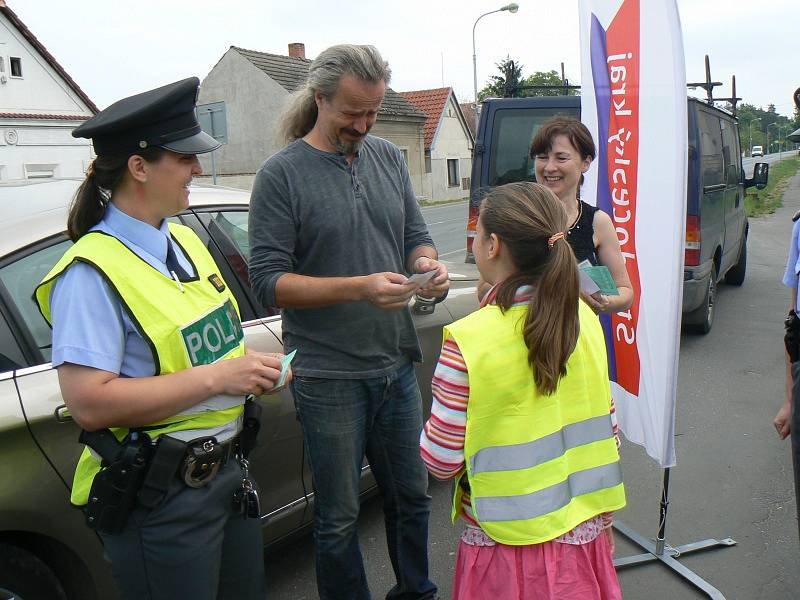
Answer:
(735, 275)
(702, 318)
(23, 576)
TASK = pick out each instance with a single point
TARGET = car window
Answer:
(20, 279)
(229, 230)
(730, 151)
(512, 133)
(11, 356)
(711, 163)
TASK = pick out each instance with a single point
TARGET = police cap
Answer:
(164, 117)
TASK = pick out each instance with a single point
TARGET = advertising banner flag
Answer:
(633, 100)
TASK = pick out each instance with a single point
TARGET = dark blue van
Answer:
(716, 222)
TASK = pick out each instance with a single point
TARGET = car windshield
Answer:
(512, 134)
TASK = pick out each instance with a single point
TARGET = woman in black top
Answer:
(563, 150)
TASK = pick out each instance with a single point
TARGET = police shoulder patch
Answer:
(217, 282)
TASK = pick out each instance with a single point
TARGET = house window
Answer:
(404, 151)
(39, 171)
(428, 167)
(16, 66)
(452, 172)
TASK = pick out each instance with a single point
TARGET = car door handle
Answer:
(62, 414)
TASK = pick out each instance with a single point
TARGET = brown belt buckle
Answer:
(201, 463)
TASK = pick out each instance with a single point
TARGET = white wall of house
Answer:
(253, 103)
(29, 149)
(411, 141)
(37, 147)
(451, 143)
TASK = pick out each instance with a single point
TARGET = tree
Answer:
(545, 78)
(505, 85)
(511, 83)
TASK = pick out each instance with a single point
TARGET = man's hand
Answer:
(439, 284)
(783, 420)
(388, 291)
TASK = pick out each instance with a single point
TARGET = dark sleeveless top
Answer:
(580, 234)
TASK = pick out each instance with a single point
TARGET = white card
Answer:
(588, 286)
(421, 278)
(285, 362)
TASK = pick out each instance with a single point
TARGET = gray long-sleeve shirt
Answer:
(313, 214)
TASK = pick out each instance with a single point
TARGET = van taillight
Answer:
(692, 252)
(472, 228)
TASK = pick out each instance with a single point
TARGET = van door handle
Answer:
(62, 414)
(707, 189)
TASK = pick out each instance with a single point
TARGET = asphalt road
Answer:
(447, 223)
(733, 476)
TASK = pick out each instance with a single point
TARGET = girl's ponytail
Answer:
(531, 222)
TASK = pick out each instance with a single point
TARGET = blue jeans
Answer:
(342, 420)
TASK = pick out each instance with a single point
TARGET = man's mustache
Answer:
(354, 133)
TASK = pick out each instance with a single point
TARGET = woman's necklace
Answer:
(577, 219)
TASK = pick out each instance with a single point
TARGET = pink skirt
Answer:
(548, 571)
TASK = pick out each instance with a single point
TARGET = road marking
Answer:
(453, 252)
(448, 205)
(449, 221)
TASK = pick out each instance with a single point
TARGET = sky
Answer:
(115, 49)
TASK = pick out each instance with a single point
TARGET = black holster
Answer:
(792, 336)
(114, 489)
(251, 423)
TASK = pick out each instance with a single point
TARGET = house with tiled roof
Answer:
(448, 144)
(255, 87)
(40, 105)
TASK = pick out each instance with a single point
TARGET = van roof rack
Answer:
(709, 86)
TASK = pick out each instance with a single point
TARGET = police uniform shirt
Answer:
(94, 329)
(790, 276)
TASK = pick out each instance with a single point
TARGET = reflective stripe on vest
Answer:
(524, 456)
(550, 499)
(537, 465)
(184, 325)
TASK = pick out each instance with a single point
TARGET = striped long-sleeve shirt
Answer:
(442, 438)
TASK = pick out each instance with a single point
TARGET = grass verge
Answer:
(764, 202)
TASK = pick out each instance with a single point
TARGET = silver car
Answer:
(46, 551)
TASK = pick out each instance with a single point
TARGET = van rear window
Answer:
(512, 133)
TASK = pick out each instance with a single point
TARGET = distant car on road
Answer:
(46, 551)
(757, 151)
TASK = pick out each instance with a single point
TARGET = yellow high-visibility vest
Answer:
(537, 465)
(186, 325)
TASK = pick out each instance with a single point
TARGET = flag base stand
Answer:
(668, 555)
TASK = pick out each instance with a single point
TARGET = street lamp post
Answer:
(750, 149)
(512, 8)
(779, 132)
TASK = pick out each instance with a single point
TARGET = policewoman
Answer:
(152, 364)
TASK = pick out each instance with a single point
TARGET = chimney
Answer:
(296, 49)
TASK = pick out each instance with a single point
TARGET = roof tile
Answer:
(432, 103)
(291, 73)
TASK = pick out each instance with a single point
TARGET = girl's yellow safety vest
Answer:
(194, 323)
(537, 465)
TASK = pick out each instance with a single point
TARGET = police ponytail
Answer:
(103, 176)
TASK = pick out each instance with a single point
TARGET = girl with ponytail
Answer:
(522, 415)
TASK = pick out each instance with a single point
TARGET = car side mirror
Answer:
(760, 176)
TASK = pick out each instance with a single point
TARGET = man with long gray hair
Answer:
(334, 225)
